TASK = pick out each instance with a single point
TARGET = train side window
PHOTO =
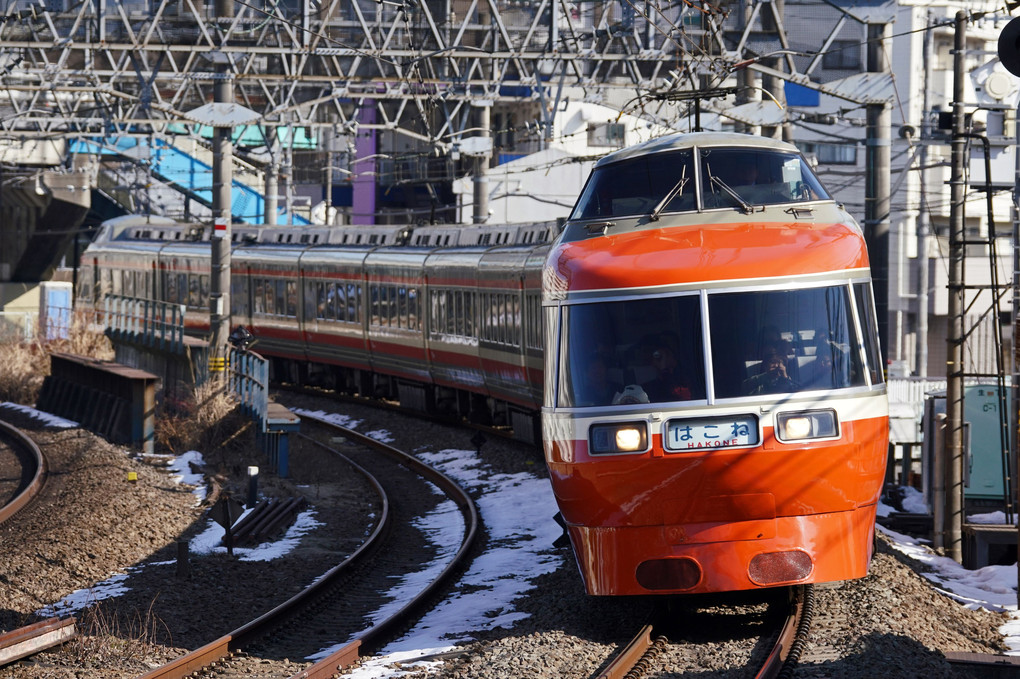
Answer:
(259, 298)
(270, 298)
(504, 319)
(516, 323)
(327, 304)
(533, 319)
(292, 302)
(170, 285)
(203, 287)
(237, 296)
(488, 316)
(355, 303)
(314, 300)
(373, 305)
(416, 309)
(281, 298)
(394, 311)
(435, 320)
(869, 327)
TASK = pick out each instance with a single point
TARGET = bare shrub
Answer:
(194, 421)
(104, 637)
(24, 364)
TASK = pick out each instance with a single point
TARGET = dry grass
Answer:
(194, 421)
(24, 364)
(104, 638)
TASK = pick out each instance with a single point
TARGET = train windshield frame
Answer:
(719, 345)
(723, 178)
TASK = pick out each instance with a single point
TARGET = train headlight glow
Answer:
(805, 425)
(622, 437)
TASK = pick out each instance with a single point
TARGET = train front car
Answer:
(715, 412)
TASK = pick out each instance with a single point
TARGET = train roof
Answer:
(682, 140)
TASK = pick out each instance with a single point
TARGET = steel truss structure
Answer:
(106, 68)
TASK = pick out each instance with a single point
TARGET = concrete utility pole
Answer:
(272, 176)
(953, 455)
(923, 220)
(223, 181)
(480, 214)
(876, 196)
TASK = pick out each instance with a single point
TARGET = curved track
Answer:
(31, 467)
(347, 594)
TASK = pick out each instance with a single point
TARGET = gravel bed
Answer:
(96, 523)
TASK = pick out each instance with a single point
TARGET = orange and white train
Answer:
(715, 411)
(699, 343)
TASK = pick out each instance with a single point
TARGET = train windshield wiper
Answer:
(747, 208)
(673, 193)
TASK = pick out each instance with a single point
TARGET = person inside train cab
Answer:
(597, 388)
(669, 383)
(773, 379)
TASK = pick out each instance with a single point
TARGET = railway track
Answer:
(648, 652)
(347, 612)
(22, 470)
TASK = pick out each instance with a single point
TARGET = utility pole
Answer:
(272, 176)
(878, 186)
(953, 456)
(480, 214)
(223, 181)
(923, 220)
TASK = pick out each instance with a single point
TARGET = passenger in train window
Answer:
(773, 380)
(669, 383)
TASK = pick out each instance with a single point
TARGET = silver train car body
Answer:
(443, 319)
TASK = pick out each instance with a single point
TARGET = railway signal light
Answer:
(1009, 47)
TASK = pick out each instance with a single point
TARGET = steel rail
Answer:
(32, 639)
(625, 661)
(23, 441)
(779, 663)
(786, 650)
(349, 654)
(232, 641)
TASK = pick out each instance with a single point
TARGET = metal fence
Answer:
(155, 324)
(248, 381)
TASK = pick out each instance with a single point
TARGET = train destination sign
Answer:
(711, 432)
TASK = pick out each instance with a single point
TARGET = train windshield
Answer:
(727, 178)
(762, 343)
(749, 177)
(636, 187)
(633, 351)
(784, 341)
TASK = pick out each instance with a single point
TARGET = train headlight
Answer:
(622, 437)
(810, 424)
